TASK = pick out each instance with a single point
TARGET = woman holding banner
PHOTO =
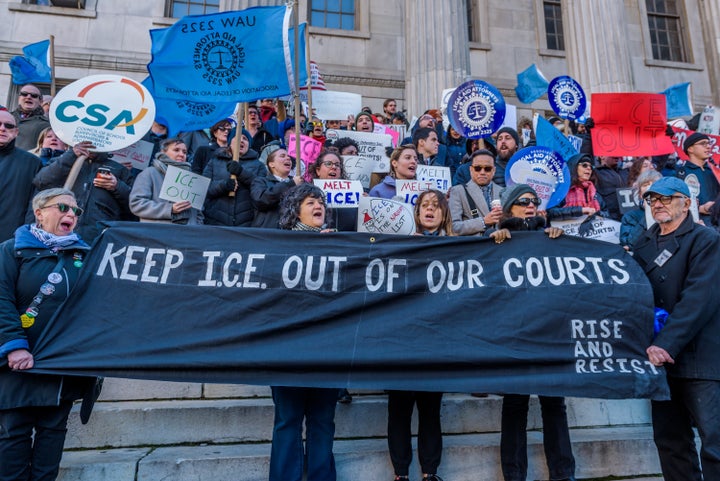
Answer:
(303, 209)
(145, 201)
(38, 269)
(432, 218)
(403, 164)
(519, 204)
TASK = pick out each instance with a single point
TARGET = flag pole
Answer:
(52, 65)
(296, 87)
(309, 74)
(235, 147)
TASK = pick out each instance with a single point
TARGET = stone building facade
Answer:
(411, 49)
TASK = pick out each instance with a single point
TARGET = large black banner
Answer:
(533, 315)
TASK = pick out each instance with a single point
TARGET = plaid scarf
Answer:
(300, 226)
(54, 242)
(582, 195)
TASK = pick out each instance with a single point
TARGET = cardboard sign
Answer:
(510, 119)
(602, 229)
(385, 216)
(438, 177)
(136, 155)
(309, 149)
(110, 111)
(709, 121)
(372, 146)
(358, 168)
(629, 124)
(401, 131)
(407, 191)
(341, 194)
(181, 184)
(330, 105)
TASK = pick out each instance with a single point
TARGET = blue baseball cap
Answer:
(669, 186)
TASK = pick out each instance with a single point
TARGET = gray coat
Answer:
(463, 221)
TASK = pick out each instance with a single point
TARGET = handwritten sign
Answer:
(679, 138)
(599, 228)
(627, 200)
(329, 105)
(341, 194)
(136, 155)
(629, 124)
(359, 168)
(309, 151)
(385, 216)
(407, 191)
(181, 184)
(372, 146)
(437, 176)
(709, 122)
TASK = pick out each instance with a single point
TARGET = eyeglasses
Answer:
(29, 94)
(427, 117)
(64, 208)
(664, 199)
(330, 164)
(481, 168)
(703, 143)
(586, 165)
(524, 202)
(8, 125)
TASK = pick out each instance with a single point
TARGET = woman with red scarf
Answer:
(582, 198)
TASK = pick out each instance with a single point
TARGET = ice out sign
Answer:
(181, 185)
(110, 111)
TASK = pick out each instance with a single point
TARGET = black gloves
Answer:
(234, 168)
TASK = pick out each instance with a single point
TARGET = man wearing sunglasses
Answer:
(18, 169)
(471, 204)
(30, 117)
(680, 258)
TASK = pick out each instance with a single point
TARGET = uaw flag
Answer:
(33, 66)
(237, 56)
(316, 79)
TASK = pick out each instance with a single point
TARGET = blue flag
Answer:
(678, 100)
(231, 56)
(33, 66)
(186, 116)
(548, 136)
(531, 85)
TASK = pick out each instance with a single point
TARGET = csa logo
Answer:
(220, 57)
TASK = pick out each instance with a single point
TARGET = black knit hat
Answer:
(513, 133)
(693, 139)
(511, 194)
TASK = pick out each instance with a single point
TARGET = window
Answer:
(553, 25)
(473, 35)
(338, 14)
(180, 8)
(58, 3)
(665, 25)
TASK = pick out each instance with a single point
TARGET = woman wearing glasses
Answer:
(475, 206)
(329, 166)
(519, 208)
(583, 197)
(39, 267)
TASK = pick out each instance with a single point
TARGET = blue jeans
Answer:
(556, 437)
(691, 401)
(317, 407)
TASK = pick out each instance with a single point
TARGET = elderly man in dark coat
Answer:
(30, 116)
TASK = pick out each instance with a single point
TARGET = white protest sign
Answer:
(385, 216)
(709, 121)
(110, 111)
(136, 155)
(627, 200)
(180, 184)
(510, 117)
(437, 176)
(358, 168)
(444, 99)
(329, 105)
(341, 193)
(407, 191)
(606, 230)
(372, 146)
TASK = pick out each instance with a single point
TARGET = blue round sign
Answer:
(542, 169)
(476, 109)
(567, 97)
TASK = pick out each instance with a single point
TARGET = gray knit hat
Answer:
(511, 194)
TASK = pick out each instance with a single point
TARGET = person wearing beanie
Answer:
(519, 204)
(583, 197)
(507, 142)
(364, 122)
(695, 171)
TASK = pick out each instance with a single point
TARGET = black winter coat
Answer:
(220, 208)
(685, 286)
(267, 192)
(22, 272)
(17, 170)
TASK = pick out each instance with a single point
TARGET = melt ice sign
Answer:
(341, 193)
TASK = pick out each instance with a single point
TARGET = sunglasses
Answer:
(586, 165)
(482, 168)
(64, 208)
(29, 94)
(224, 129)
(8, 125)
(526, 202)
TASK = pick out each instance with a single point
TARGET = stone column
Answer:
(437, 56)
(596, 45)
(710, 17)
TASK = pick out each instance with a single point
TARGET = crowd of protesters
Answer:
(262, 188)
